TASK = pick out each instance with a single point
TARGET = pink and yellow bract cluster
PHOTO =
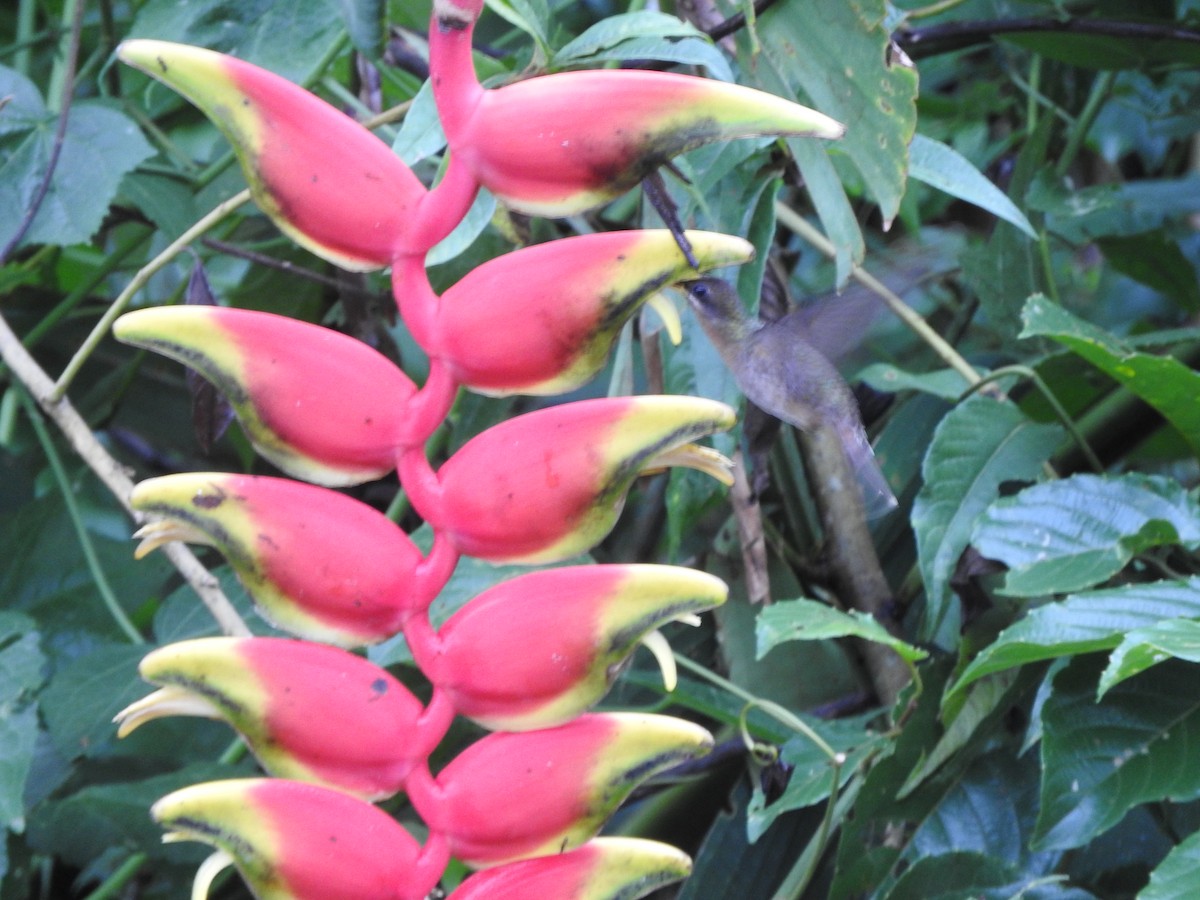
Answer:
(529, 658)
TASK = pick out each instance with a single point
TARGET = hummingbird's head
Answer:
(714, 300)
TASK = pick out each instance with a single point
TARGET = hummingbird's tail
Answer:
(878, 498)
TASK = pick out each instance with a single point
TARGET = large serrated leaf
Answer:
(836, 53)
(291, 39)
(1075, 533)
(1178, 875)
(80, 191)
(977, 447)
(1165, 383)
(808, 620)
(1083, 623)
(1099, 760)
(81, 699)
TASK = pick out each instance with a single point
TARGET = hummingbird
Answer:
(779, 369)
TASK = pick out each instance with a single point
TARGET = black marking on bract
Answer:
(209, 501)
(446, 24)
(162, 63)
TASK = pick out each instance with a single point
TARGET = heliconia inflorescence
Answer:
(528, 658)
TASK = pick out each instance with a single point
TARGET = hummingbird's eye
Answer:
(700, 291)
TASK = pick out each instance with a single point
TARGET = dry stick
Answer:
(109, 471)
(219, 212)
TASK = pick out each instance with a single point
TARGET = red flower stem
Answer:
(429, 406)
(425, 645)
(456, 88)
(433, 724)
(432, 860)
(441, 210)
(415, 299)
(425, 794)
(422, 485)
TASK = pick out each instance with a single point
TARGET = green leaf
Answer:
(80, 191)
(420, 134)
(978, 446)
(990, 808)
(292, 39)
(863, 861)
(18, 738)
(1145, 647)
(688, 51)
(811, 777)
(477, 219)
(81, 699)
(182, 616)
(836, 54)
(364, 23)
(23, 109)
(729, 867)
(808, 620)
(21, 660)
(167, 202)
(986, 700)
(1083, 623)
(961, 876)
(612, 30)
(98, 817)
(1099, 760)
(945, 383)
(1071, 534)
(21, 665)
(944, 168)
(1177, 877)
(1155, 260)
(1083, 214)
(833, 207)
(1165, 383)
(531, 16)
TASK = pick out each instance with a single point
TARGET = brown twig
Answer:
(111, 473)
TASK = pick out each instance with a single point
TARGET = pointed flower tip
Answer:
(317, 563)
(307, 711)
(506, 676)
(605, 868)
(572, 777)
(550, 484)
(290, 839)
(571, 297)
(324, 179)
(319, 404)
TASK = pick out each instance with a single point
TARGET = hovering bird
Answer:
(778, 368)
